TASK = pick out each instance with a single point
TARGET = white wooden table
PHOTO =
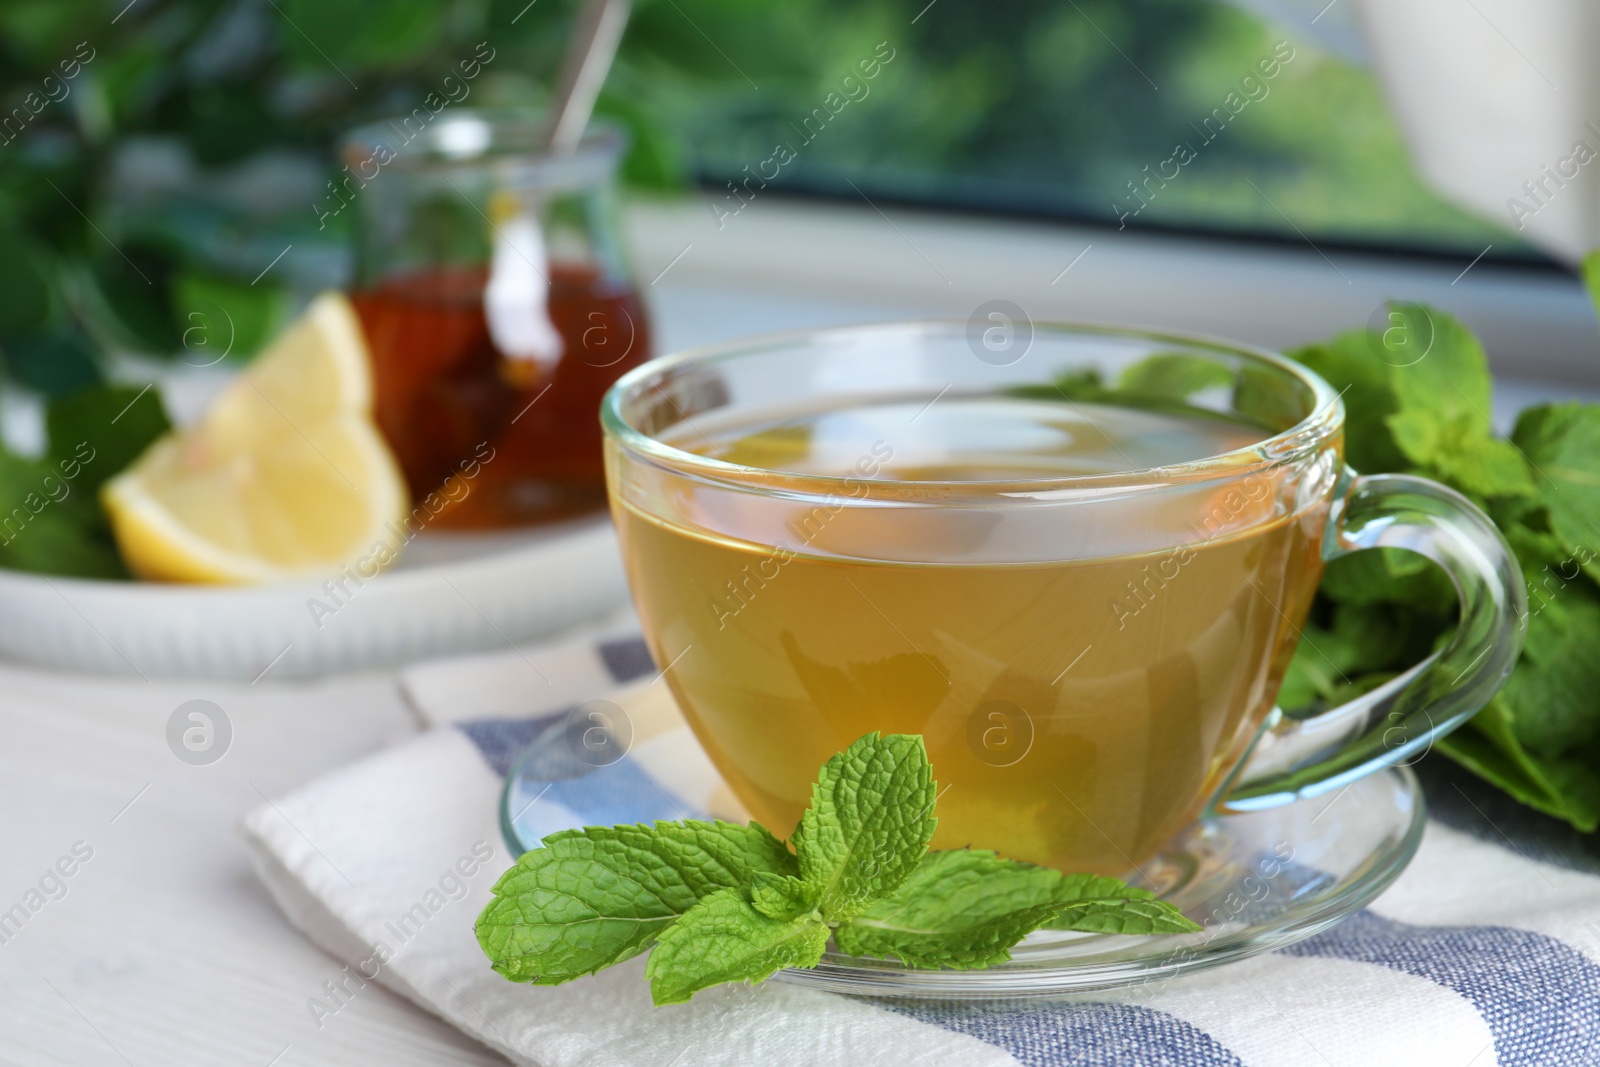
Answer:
(162, 948)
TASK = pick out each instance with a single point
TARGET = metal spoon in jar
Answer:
(595, 37)
(517, 295)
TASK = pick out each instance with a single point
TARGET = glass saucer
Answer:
(1256, 881)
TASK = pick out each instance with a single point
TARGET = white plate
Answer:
(449, 593)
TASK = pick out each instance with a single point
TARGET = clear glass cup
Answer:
(1093, 659)
(498, 305)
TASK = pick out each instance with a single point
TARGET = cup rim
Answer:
(1324, 419)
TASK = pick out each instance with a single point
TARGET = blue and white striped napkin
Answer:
(1486, 951)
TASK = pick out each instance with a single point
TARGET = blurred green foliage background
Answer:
(146, 193)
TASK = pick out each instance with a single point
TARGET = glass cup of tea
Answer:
(498, 308)
(1075, 561)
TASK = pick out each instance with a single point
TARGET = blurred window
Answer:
(1187, 114)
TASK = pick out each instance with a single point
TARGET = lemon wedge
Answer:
(286, 476)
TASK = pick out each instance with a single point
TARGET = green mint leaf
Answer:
(1440, 380)
(961, 908)
(1096, 904)
(55, 362)
(961, 943)
(725, 939)
(1350, 363)
(1487, 746)
(1439, 369)
(1462, 453)
(1085, 386)
(781, 896)
(870, 820)
(1591, 276)
(221, 317)
(49, 524)
(1265, 396)
(1392, 577)
(704, 856)
(51, 521)
(1122, 915)
(590, 898)
(1166, 381)
(1417, 395)
(966, 908)
(1307, 680)
(1324, 663)
(1553, 690)
(112, 423)
(1562, 442)
(30, 287)
(1364, 647)
(1526, 525)
(128, 294)
(1563, 786)
(1174, 376)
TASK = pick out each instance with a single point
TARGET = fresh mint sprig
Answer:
(715, 902)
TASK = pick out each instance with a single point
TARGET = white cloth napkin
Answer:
(1484, 952)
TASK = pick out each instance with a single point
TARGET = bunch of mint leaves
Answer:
(1417, 400)
(715, 902)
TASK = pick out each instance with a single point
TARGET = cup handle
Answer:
(1302, 757)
